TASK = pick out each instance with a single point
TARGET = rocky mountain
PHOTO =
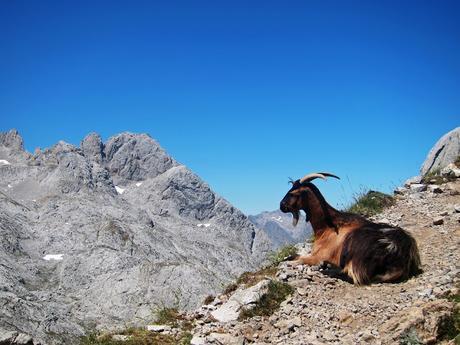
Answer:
(317, 305)
(445, 151)
(99, 236)
(278, 227)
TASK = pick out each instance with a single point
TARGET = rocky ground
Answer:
(326, 309)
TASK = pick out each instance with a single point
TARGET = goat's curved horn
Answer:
(330, 175)
(311, 177)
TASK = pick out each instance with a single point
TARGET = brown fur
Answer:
(365, 251)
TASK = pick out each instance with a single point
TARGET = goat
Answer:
(365, 251)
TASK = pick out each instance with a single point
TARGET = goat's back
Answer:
(379, 252)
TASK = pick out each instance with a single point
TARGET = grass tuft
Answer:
(167, 316)
(270, 301)
(209, 299)
(370, 203)
(285, 253)
(434, 177)
(138, 337)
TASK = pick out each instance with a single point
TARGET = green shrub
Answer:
(370, 203)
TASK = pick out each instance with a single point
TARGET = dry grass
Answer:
(138, 337)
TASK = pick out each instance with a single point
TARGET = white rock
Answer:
(418, 187)
(197, 340)
(120, 190)
(49, 257)
(230, 310)
(158, 328)
(4, 162)
(451, 170)
(23, 339)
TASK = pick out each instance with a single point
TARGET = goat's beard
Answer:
(295, 218)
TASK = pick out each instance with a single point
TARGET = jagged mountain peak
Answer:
(12, 139)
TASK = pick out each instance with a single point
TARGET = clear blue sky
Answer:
(245, 93)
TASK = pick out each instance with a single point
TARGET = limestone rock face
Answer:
(93, 148)
(98, 236)
(134, 157)
(445, 151)
(12, 139)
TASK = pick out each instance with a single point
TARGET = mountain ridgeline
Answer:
(101, 235)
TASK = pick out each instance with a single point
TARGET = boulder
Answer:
(425, 322)
(451, 170)
(241, 299)
(418, 187)
(445, 151)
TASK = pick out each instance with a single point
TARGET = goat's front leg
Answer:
(310, 260)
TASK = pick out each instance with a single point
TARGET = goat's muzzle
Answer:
(285, 209)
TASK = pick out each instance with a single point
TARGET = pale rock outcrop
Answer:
(445, 151)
